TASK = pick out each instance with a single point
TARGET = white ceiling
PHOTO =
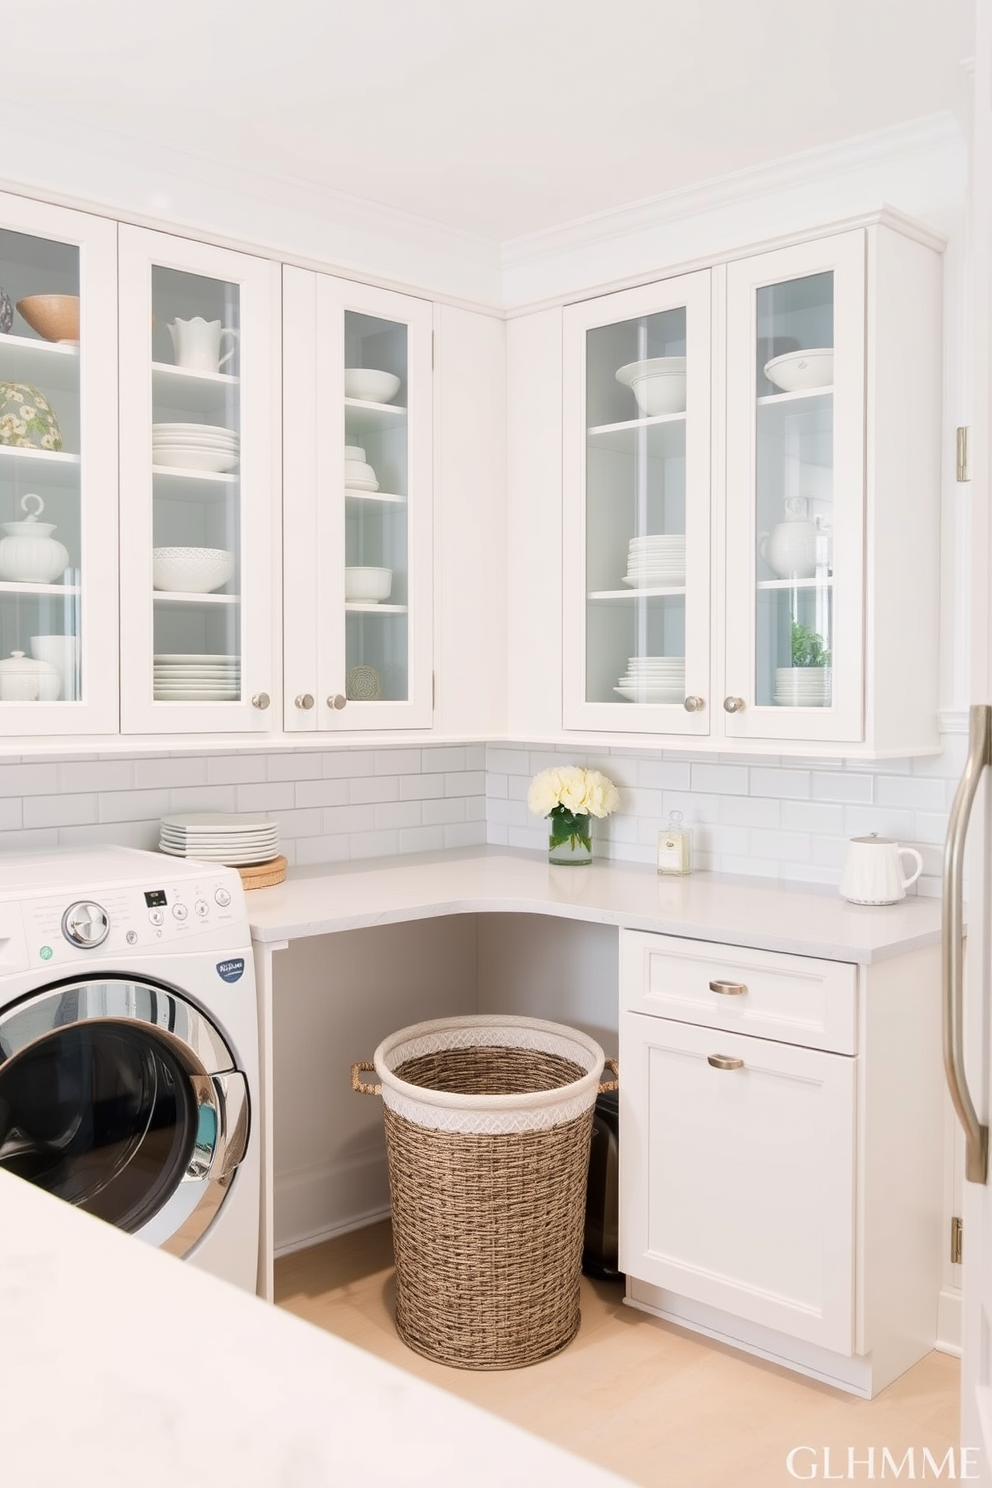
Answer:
(500, 118)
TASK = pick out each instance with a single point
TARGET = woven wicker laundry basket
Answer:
(488, 1125)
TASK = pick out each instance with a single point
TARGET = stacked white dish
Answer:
(803, 687)
(228, 837)
(358, 475)
(195, 446)
(191, 678)
(653, 679)
(656, 561)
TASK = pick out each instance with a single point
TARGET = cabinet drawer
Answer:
(794, 999)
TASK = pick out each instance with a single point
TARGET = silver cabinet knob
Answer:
(733, 704)
(304, 700)
(693, 704)
(85, 924)
(336, 700)
(724, 1061)
(261, 700)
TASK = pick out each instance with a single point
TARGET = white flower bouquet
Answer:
(568, 796)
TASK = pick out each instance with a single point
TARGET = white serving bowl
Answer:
(801, 371)
(191, 570)
(369, 385)
(367, 585)
(658, 384)
(360, 475)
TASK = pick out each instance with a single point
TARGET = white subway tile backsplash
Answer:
(754, 815)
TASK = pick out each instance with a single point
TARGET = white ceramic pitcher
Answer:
(873, 870)
(197, 343)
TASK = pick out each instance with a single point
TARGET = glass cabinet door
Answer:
(637, 553)
(358, 502)
(58, 471)
(795, 492)
(199, 506)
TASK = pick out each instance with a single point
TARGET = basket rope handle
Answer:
(605, 1085)
(363, 1067)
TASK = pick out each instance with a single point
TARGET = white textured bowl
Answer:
(360, 475)
(367, 585)
(801, 371)
(191, 570)
(658, 384)
(369, 385)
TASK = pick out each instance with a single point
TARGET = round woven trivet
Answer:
(263, 875)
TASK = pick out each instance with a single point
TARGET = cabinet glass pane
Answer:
(196, 518)
(376, 587)
(42, 593)
(794, 455)
(635, 558)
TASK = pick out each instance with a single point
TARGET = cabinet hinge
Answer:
(963, 473)
(957, 1231)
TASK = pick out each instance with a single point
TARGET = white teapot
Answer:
(873, 870)
(29, 554)
(790, 549)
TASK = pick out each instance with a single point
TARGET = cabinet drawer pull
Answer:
(336, 700)
(304, 700)
(724, 1061)
(693, 704)
(733, 704)
(261, 700)
(729, 989)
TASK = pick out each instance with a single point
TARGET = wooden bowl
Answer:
(54, 316)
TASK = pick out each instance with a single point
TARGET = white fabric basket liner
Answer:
(492, 1115)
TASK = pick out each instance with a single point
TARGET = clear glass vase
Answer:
(570, 839)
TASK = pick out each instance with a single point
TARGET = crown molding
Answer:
(91, 167)
(922, 136)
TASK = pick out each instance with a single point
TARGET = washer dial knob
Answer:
(85, 924)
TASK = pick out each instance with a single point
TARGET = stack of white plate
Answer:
(190, 678)
(654, 679)
(229, 837)
(656, 562)
(803, 687)
(195, 446)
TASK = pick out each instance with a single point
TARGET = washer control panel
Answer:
(176, 913)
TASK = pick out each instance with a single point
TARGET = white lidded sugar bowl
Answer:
(873, 870)
(790, 549)
(29, 554)
(25, 680)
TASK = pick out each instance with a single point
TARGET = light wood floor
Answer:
(653, 1403)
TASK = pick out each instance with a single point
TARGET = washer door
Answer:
(121, 1097)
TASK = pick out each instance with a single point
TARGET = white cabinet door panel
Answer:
(738, 1182)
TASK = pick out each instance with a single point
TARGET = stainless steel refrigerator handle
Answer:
(952, 943)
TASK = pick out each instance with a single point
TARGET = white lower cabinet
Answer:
(780, 1152)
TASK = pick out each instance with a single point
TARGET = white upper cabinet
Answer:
(637, 544)
(358, 498)
(199, 486)
(769, 574)
(58, 471)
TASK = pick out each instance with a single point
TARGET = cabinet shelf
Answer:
(652, 592)
(49, 466)
(8, 586)
(806, 395)
(387, 496)
(176, 484)
(827, 583)
(47, 363)
(162, 596)
(373, 607)
(368, 417)
(662, 434)
(196, 392)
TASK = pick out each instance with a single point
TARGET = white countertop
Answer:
(121, 1366)
(803, 919)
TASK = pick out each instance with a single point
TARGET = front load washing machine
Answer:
(129, 1081)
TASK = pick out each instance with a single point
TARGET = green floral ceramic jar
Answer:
(27, 417)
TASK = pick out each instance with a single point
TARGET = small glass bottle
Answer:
(675, 846)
